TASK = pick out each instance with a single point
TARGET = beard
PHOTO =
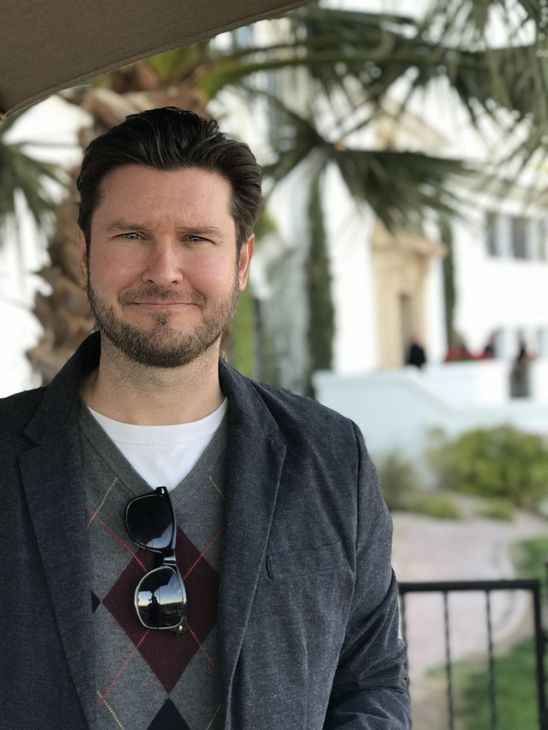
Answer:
(162, 346)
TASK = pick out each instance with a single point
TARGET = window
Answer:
(543, 243)
(491, 234)
(516, 236)
(536, 232)
(542, 339)
(520, 230)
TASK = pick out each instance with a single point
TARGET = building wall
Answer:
(349, 230)
(436, 339)
(499, 292)
(402, 265)
(396, 410)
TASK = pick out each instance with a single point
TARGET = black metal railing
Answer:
(532, 586)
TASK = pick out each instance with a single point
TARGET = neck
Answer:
(132, 393)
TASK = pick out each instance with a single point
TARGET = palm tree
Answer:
(318, 131)
(26, 179)
(348, 63)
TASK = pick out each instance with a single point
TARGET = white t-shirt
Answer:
(162, 455)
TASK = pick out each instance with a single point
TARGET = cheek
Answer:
(113, 272)
(213, 273)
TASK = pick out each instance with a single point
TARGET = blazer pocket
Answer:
(298, 563)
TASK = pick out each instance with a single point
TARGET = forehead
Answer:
(184, 191)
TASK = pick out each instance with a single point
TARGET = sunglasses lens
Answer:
(150, 522)
(160, 599)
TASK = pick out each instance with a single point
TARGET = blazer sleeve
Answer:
(370, 685)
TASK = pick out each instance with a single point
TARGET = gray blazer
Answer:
(308, 615)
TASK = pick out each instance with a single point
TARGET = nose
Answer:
(163, 265)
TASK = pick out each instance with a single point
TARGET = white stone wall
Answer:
(397, 409)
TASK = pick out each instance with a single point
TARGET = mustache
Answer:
(155, 293)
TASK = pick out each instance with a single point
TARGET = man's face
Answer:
(163, 274)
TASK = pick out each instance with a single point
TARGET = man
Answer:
(183, 547)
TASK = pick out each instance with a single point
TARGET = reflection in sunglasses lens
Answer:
(161, 599)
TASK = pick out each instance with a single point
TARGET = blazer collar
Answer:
(61, 401)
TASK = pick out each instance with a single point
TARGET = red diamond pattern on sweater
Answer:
(168, 655)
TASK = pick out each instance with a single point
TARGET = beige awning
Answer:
(51, 45)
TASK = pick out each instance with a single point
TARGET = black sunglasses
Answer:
(160, 596)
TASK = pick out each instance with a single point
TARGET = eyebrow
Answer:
(127, 225)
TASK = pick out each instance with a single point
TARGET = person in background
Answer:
(519, 373)
(416, 354)
(488, 351)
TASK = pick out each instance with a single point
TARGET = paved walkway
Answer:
(426, 549)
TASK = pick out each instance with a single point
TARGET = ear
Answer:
(82, 250)
(246, 254)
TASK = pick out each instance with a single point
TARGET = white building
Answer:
(389, 288)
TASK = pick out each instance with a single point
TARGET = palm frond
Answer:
(294, 139)
(180, 63)
(400, 186)
(360, 57)
(27, 176)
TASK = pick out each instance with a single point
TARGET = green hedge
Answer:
(400, 487)
(497, 462)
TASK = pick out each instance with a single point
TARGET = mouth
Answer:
(164, 306)
(156, 299)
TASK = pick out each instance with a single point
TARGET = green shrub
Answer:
(496, 509)
(399, 483)
(533, 554)
(496, 462)
(398, 478)
(434, 504)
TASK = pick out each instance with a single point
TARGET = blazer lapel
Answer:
(55, 501)
(255, 455)
(52, 482)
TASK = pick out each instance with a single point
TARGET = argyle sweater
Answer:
(150, 679)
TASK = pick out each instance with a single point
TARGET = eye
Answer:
(130, 236)
(195, 239)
